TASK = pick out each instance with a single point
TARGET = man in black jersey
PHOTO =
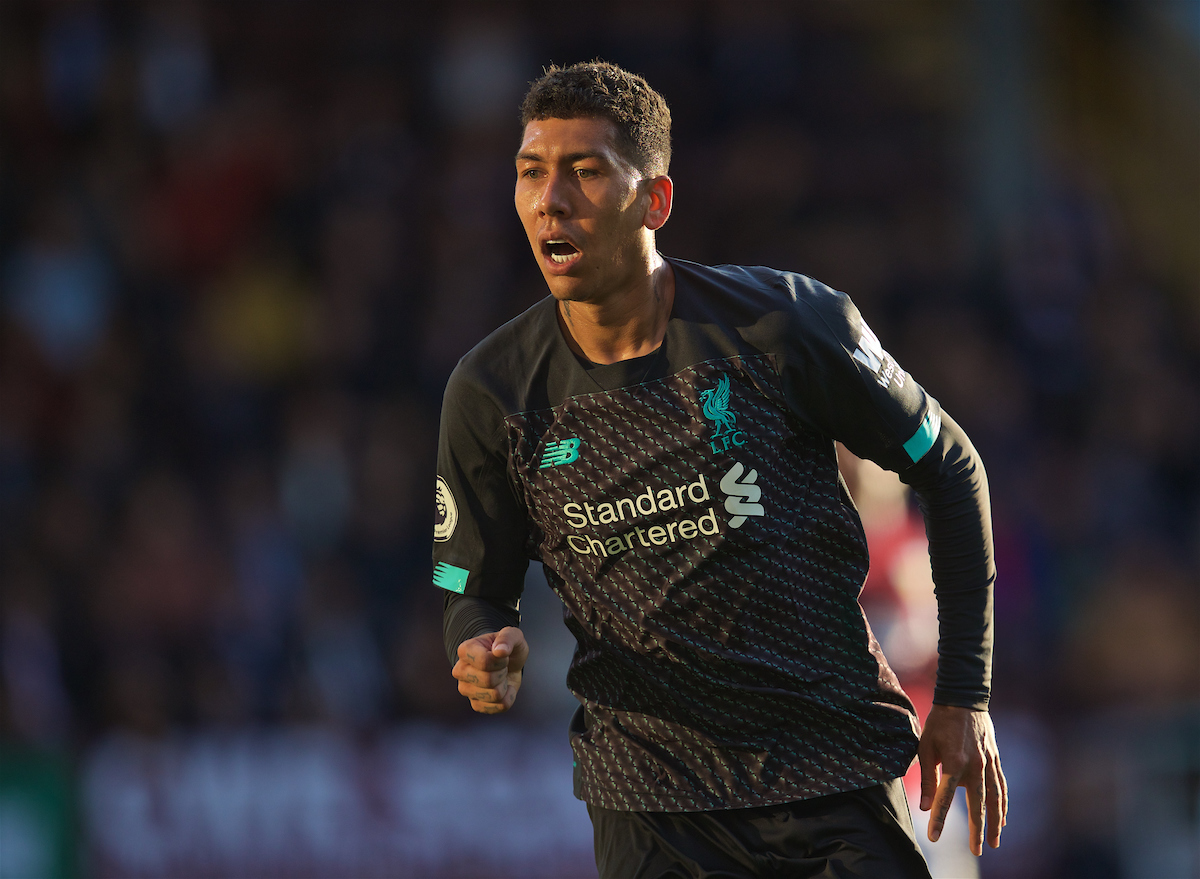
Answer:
(660, 434)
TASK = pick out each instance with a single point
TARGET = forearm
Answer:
(465, 617)
(952, 488)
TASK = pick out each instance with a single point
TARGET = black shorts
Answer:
(865, 833)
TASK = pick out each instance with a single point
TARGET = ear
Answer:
(661, 190)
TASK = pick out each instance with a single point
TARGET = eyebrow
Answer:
(570, 157)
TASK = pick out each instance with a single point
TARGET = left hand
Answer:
(963, 742)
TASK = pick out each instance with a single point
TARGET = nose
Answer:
(554, 200)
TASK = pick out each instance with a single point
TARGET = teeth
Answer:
(560, 258)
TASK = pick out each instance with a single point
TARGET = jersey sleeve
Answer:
(841, 381)
(481, 525)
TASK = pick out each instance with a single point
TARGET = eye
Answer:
(585, 173)
(532, 173)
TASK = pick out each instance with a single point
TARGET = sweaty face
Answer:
(581, 206)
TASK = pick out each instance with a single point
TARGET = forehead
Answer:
(551, 139)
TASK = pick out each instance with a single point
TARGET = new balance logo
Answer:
(561, 452)
(742, 494)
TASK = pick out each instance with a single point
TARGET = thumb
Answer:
(510, 642)
(502, 646)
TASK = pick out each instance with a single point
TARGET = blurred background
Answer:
(242, 244)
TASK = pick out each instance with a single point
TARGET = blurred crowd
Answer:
(243, 244)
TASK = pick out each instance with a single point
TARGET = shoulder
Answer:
(502, 367)
(772, 300)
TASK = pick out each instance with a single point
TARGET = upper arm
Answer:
(481, 530)
(841, 381)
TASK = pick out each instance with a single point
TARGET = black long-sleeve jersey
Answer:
(688, 510)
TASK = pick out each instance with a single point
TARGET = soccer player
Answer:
(660, 434)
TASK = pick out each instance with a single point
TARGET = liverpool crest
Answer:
(715, 405)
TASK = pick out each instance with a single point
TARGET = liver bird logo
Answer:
(715, 402)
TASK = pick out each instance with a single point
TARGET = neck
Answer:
(628, 324)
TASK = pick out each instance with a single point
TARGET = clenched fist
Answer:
(489, 669)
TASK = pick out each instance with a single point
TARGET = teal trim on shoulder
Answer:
(450, 578)
(922, 441)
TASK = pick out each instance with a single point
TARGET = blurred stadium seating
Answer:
(242, 244)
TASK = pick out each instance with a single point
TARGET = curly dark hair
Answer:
(598, 88)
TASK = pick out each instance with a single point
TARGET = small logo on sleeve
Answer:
(447, 512)
(450, 577)
(565, 451)
(881, 364)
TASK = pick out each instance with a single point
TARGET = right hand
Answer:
(489, 669)
(958, 749)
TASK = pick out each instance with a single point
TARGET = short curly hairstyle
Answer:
(598, 88)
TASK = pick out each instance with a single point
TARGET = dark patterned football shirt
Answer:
(689, 513)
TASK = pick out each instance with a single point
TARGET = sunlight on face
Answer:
(583, 206)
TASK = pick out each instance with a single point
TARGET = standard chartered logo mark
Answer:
(742, 494)
(564, 451)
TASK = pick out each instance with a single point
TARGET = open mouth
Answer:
(560, 250)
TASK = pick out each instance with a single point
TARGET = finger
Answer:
(489, 707)
(471, 675)
(929, 778)
(510, 693)
(479, 654)
(942, 801)
(1003, 793)
(975, 806)
(995, 803)
(473, 645)
(490, 695)
(494, 701)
